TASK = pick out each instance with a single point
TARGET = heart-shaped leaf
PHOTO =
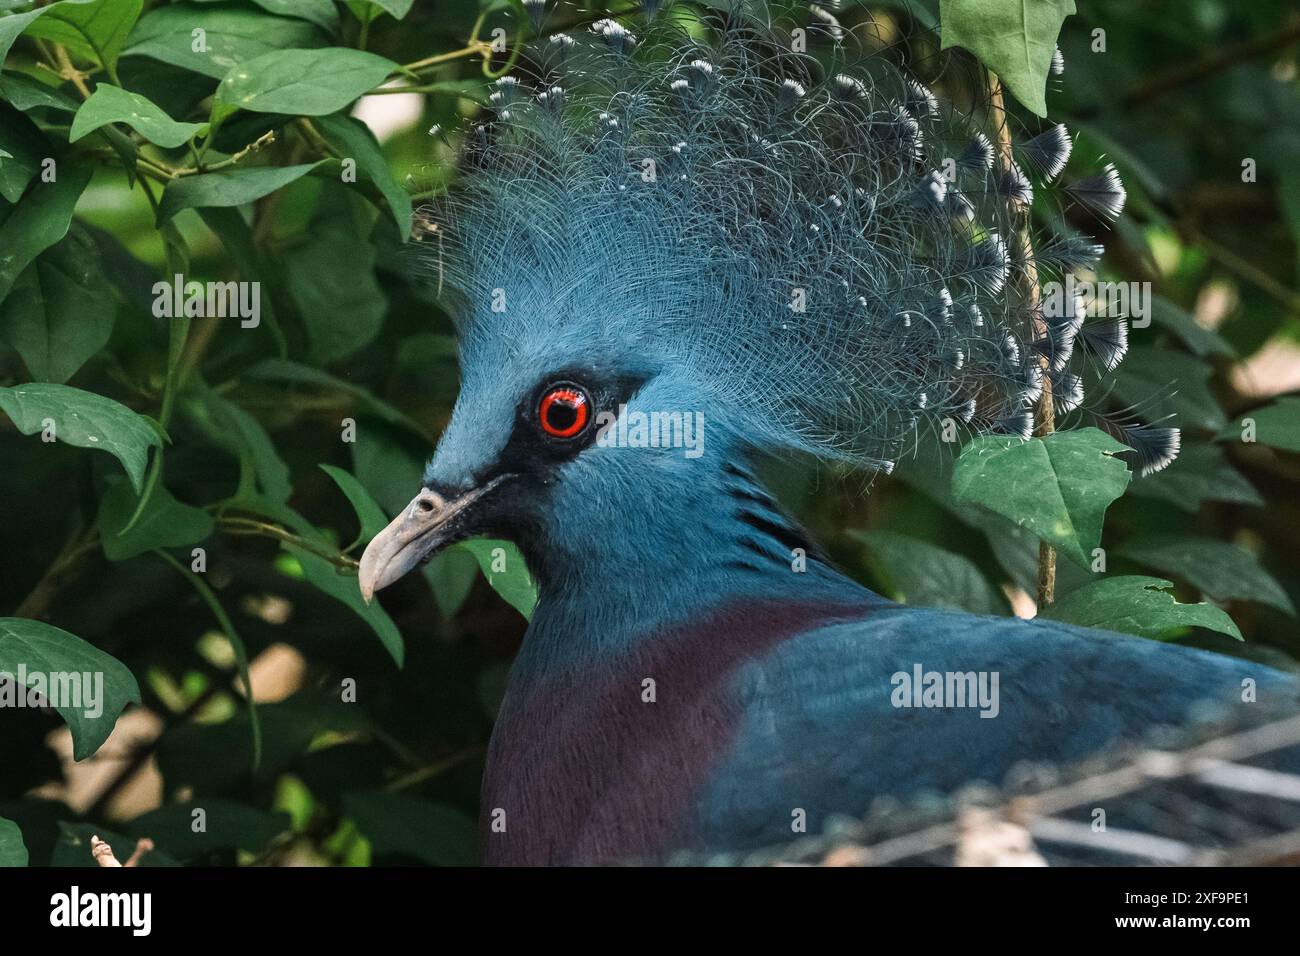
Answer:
(1057, 487)
(1013, 38)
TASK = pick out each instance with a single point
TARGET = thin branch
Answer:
(266, 139)
(56, 576)
(1045, 413)
(1194, 72)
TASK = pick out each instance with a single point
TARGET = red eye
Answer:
(564, 411)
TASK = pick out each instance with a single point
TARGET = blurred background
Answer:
(1197, 102)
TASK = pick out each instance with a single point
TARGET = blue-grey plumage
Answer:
(669, 258)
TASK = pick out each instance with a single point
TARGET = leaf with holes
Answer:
(1221, 570)
(1134, 604)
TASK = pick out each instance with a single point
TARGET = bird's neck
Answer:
(663, 558)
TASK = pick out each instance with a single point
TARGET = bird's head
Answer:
(727, 239)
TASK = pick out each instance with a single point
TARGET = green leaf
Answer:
(25, 148)
(13, 852)
(1200, 473)
(230, 36)
(1137, 605)
(356, 142)
(12, 27)
(331, 278)
(1013, 38)
(505, 569)
(85, 420)
(301, 82)
(282, 370)
(1058, 487)
(451, 574)
(165, 522)
(110, 104)
(1276, 425)
(343, 587)
(95, 30)
(25, 93)
(398, 824)
(372, 517)
(323, 13)
(231, 428)
(61, 311)
(41, 650)
(228, 187)
(925, 575)
(1221, 570)
(41, 219)
(395, 8)
(1200, 340)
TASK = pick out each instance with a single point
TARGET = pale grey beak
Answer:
(408, 538)
(423, 526)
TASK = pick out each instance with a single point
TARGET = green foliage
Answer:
(1138, 605)
(83, 419)
(928, 576)
(111, 104)
(1013, 38)
(33, 647)
(1056, 487)
(250, 460)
